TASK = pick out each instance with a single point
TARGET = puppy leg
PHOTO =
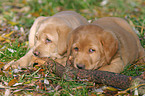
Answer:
(116, 66)
(62, 61)
(22, 62)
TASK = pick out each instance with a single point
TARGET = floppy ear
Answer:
(109, 45)
(33, 31)
(62, 39)
(69, 45)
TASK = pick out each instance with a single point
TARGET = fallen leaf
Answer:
(7, 35)
(12, 23)
(1, 86)
(111, 89)
(12, 82)
(7, 92)
(2, 38)
(12, 50)
(16, 84)
(36, 14)
(1, 64)
(37, 60)
(46, 82)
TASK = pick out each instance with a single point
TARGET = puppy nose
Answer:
(81, 66)
(36, 53)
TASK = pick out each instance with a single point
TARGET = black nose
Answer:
(36, 53)
(81, 66)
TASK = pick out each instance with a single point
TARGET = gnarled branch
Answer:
(101, 77)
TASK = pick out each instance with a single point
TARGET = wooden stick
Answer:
(101, 77)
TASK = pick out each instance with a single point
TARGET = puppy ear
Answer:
(33, 31)
(69, 45)
(109, 45)
(62, 39)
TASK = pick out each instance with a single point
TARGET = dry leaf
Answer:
(1, 65)
(37, 60)
(12, 23)
(111, 89)
(12, 82)
(2, 38)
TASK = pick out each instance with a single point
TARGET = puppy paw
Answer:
(8, 65)
(15, 65)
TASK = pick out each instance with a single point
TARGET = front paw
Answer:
(8, 65)
(15, 64)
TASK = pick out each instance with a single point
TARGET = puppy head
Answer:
(91, 47)
(51, 39)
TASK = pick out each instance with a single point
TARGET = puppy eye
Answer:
(91, 50)
(48, 40)
(76, 48)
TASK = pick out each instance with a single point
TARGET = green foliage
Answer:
(12, 51)
(133, 70)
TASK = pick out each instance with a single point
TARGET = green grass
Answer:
(12, 51)
(10, 16)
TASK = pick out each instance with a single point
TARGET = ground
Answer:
(16, 18)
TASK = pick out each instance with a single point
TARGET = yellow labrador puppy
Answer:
(108, 44)
(48, 36)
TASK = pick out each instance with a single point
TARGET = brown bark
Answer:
(101, 77)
